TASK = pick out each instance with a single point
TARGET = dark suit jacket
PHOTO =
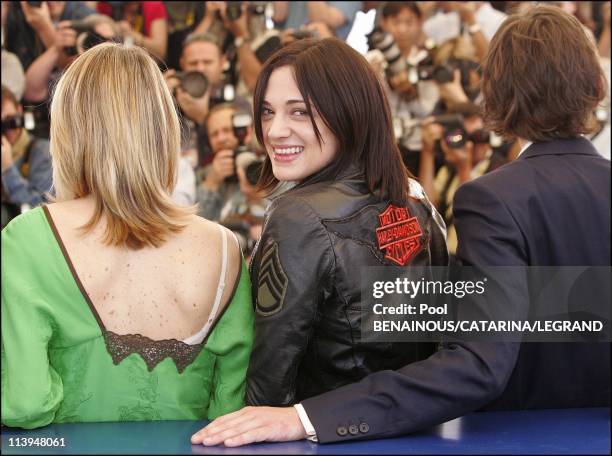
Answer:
(549, 207)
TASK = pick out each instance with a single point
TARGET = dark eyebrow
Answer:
(289, 102)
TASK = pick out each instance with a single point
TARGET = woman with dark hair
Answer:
(322, 115)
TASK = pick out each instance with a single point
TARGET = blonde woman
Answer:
(117, 304)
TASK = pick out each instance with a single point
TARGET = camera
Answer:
(405, 127)
(456, 136)
(12, 123)
(244, 157)
(222, 94)
(422, 67)
(27, 121)
(234, 9)
(192, 82)
(87, 37)
(384, 42)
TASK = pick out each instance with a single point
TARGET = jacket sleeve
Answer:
(31, 190)
(291, 273)
(460, 377)
(31, 389)
(232, 341)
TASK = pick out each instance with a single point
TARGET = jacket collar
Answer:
(568, 146)
(352, 171)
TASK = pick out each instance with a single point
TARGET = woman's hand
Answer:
(252, 424)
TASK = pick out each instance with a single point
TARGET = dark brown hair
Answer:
(392, 9)
(541, 77)
(346, 93)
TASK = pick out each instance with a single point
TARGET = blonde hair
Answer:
(115, 135)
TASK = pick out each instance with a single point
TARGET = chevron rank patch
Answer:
(273, 283)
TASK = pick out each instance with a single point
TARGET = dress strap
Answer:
(200, 335)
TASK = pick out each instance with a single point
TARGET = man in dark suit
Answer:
(550, 207)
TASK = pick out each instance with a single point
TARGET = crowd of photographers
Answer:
(426, 53)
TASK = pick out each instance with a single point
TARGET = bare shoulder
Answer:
(212, 233)
(221, 242)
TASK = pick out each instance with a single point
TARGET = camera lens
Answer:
(455, 138)
(251, 163)
(194, 83)
(253, 171)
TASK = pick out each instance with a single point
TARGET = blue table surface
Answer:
(569, 431)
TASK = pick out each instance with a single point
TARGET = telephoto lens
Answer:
(384, 42)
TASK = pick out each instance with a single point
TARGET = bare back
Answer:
(161, 293)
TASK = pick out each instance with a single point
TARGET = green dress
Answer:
(59, 363)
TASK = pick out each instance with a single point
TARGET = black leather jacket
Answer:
(305, 274)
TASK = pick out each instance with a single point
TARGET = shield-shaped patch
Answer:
(399, 234)
(273, 282)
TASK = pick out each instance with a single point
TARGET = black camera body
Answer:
(225, 93)
(12, 123)
(91, 37)
(455, 134)
(422, 67)
(244, 157)
(234, 9)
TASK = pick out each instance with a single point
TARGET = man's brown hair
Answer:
(541, 77)
(345, 91)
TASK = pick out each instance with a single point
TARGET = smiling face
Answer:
(289, 138)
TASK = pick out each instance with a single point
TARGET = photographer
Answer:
(227, 194)
(201, 54)
(48, 66)
(467, 153)
(410, 95)
(30, 26)
(234, 25)
(26, 163)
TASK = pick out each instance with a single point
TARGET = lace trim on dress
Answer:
(153, 352)
(120, 346)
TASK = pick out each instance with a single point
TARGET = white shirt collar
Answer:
(525, 146)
